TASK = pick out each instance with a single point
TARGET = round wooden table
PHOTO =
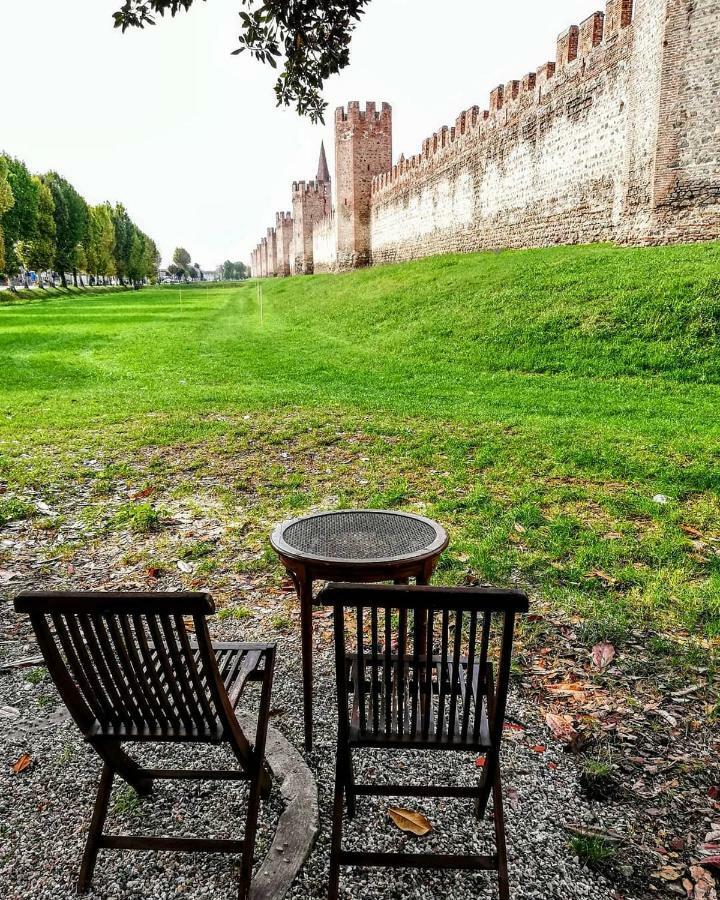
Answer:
(363, 545)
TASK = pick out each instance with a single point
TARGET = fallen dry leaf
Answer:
(572, 689)
(669, 873)
(21, 764)
(561, 727)
(409, 820)
(602, 655)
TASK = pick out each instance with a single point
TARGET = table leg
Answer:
(304, 588)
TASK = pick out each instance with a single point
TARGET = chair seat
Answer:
(238, 663)
(403, 709)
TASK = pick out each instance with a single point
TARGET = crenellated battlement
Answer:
(309, 187)
(371, 113)
(281, 217)
(574, 51)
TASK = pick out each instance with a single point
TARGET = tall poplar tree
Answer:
(20, 222)
(6, 203)
(42, 251)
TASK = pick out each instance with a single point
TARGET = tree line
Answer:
(182, 269)
(46, 226)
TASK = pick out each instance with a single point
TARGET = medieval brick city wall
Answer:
(616, 139)
(618, 143)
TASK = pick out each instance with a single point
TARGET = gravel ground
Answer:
(44, 811)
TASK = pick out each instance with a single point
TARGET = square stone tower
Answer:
(284, 232)
(271, 252)
(363, 149)
(312, 201)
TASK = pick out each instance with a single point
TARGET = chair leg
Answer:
(350, 785)
(490, 768)
(336, 840)
(87, 866)
(499, 819)
(248, 855)
(260, 784)
(123, 765)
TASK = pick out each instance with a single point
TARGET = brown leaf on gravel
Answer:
(21, 763)
(561, 727)
(409, 820)
(669, 873)
(602, 655)
(572, 689)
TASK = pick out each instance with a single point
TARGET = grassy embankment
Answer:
(536, 402)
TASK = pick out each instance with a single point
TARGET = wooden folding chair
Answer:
(128, 670)
(442, 688)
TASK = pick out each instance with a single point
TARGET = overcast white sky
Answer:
(189, 138)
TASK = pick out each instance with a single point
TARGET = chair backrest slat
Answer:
(414, 679)
(429, 669)
(400, 679)
(482, 674)
(374, 673)
(442, 673)
(388, 670)
(455, 673)
(470, 704)
(361, 667)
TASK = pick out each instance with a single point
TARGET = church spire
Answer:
(322, 173)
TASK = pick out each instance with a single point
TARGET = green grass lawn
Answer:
(535, 402)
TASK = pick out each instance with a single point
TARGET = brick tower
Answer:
(271, 252)
(311, 203)
(284, 232)
(363, 149)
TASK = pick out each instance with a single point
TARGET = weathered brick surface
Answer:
(325, 244)
(617, 139)
(311, 203)
(363, 149)
(619, 143)
(284, 233)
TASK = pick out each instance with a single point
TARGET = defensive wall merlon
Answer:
(574, 46)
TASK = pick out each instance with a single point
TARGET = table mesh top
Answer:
(360, 535)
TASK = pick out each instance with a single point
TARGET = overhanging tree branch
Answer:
(310, 37)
